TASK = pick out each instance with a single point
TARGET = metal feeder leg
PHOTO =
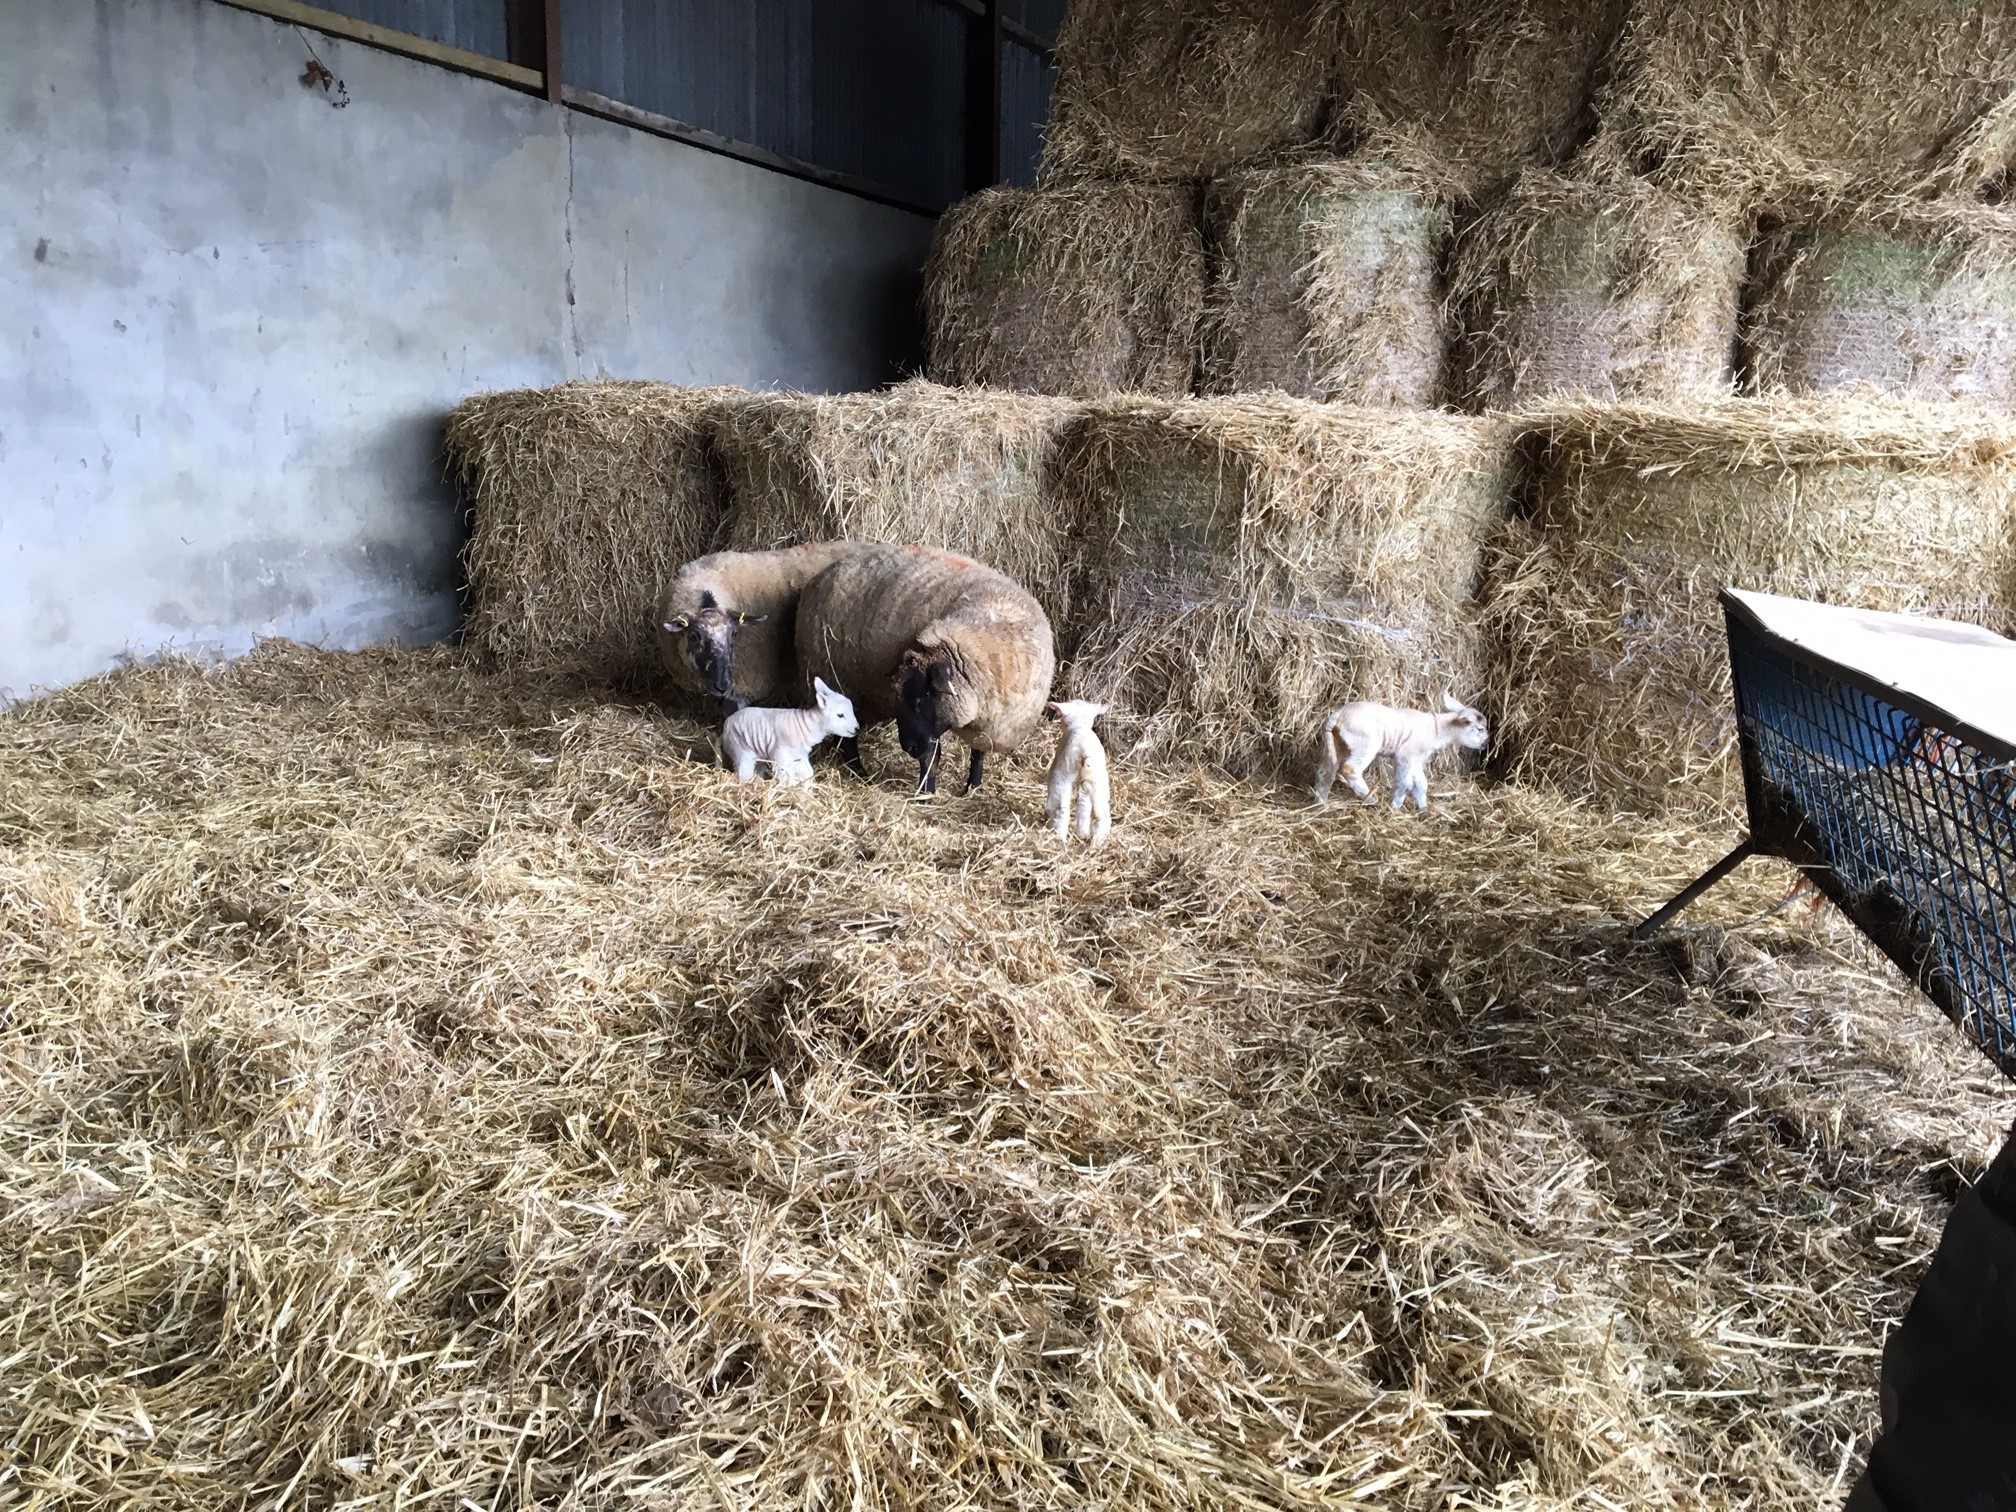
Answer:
(1694, 889)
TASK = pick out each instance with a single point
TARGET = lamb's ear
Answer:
(1054, 707)
(675, 625)
(1449, 702)
(1098, 709)
(707, 600)
(819, 689)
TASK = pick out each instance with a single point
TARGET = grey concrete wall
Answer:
(232, 317)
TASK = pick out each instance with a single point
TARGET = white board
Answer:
(1967, 671)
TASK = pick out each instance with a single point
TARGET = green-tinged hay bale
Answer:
(1328, 283)
(1606, 287)
(1083, 290)
(1911, 299)
(1251, 563)
(1185, 89)
(1496, 87)
(584, 499)
(968, 470)
(1803, 98)
(1610, 672)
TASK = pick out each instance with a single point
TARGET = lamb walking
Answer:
(785, 737)
(1360, 733)
(1080, 764)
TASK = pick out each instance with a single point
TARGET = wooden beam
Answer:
(550, 35)
(394, 41)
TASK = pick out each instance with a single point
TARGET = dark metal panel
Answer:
(474, 25)
(1026, 82)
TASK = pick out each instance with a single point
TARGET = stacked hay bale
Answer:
(1815, 98)
(1914, 298)
(1251, 562)
(583, 499)
(1495, 88)
(1609, 671)
(1598, 283)
(1328, 282)
(1180, 90)
(963, 469)
(1077, 290)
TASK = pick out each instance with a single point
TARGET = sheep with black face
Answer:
(725, 622)
(934, 641)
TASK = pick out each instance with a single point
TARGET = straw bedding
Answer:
(1080, 290)
(583, 499)
(1162, 90)
(1250, 563)
(1806, 99)
(1327, 283)
(1599, 284)
(1910, 299)
(431, 1087)
(963, 469)
(1610, 670)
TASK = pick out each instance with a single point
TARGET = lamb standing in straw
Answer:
(785, 737)
(1081, 764)
(1358, 734)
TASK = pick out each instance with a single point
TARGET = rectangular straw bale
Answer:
(1604, 286)
(1816, 97)
(1250, 563)
(1914, 299)
(968, 470)
(583, 499)
(1084, 290)
(1609, 667)
(1328, 283)
(1166, 90)
(1494, 88)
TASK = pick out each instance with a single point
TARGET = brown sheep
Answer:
(725, 621)
(934, 641)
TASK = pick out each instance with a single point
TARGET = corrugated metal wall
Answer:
(474, 25)
(875, 89)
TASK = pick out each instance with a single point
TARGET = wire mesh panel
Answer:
(1906, 820)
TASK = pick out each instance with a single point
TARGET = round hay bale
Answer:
(1250, 563)
(1607, 287)
(1328, 284)
(583, 499)
(1609, 666)
(1496, 88)
(1803, 97)
(1919, 302)
(1184, 89)
(962, 469)
(1085, 290)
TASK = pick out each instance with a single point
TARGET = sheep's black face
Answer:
(707, 642)
(924, 698)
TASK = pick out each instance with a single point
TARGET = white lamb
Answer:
(1081, 764)
(785, 737)
(1358, 734)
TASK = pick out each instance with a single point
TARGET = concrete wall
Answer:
(232, 317)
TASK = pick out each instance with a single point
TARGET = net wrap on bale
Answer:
(1609, 670)
(1605, 286)
(1911, 298)
(966, 470)
(1079, 290)
(1166, 90)
(1250, 563)
(1328, 283)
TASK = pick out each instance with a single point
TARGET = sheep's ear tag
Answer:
(741, 619)
(679, 623)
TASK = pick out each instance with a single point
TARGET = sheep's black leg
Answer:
(850, 756)
(973, 772)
